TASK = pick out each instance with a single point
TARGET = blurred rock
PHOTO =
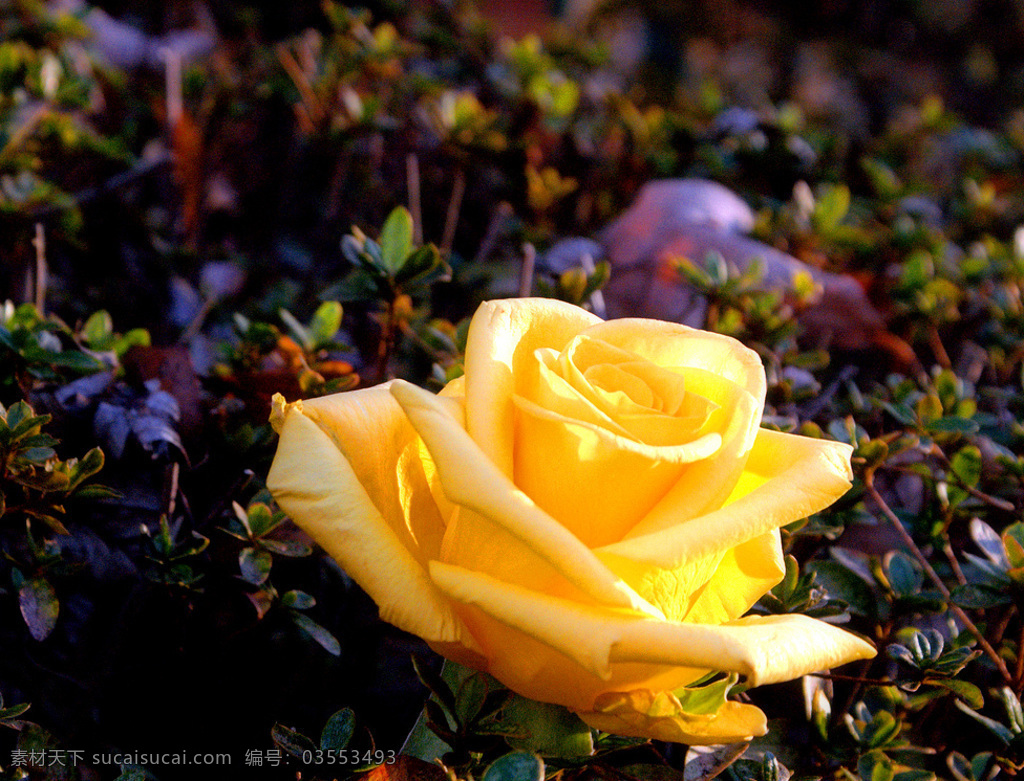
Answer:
(689, 218)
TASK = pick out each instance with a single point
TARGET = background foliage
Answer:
(316, 202)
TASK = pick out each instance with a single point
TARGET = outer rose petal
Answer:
(620, 650)
(787, 478)
(317, 484)
(502, 337)
(658, 715)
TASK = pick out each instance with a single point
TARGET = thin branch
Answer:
(412, 183)
(451, 219)
(39, 242)
(494, 230)
(302, 83)
(526, 270)
(853, 679)
(904, 535)
(596, 298)
(935, 342)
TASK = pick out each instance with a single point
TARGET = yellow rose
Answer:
(586, 515)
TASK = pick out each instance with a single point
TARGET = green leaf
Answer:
(830, 207)
(966, 464)
(298, 330)
(978, 597)
(423, 267)
(325, 324)
(965, 690)
(98, 330)
(875, 766)
(997, 729)
(39, 607)
(255, 565)
(259, 519)
(87, 466)
(903, 575)
(75, 360)
(137, 337)
(396, 240)
(297, 600)
(841, 583)
(952, 425)
(14, 710)
(517, 766)
(322, 636)
(291, 741)
(439, 684)
(707, 699)
(1013, 544)
(546, 729)
(338, 731)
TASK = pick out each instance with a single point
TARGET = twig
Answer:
(412, 183)
(39, 242)
(494, 230)
(1019, 667)
(24, 130)
(526, 270)
(822, 400)
(995, 501)
(596, 298)
(852, 679)
(175, 103)
(935, 342)
(904, 535)
(387, 341)
(301, 81)
(953, 563)
(451, 219)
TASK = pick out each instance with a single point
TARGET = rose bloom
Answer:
(586, 514)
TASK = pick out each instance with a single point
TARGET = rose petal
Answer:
(788, 478)
(499, 528)
(659, 715)
(502, 337)
(557, 458)
(319, 487)
(765, 649)
(706, 485)
(671, 344)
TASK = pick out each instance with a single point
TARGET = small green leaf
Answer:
(255, 565)
(549, 730)
(965, 690)
(875, 766)
(517, 766)
(325, 324)
(978, 597)
(298, 330)
(87, 466)
(396, 240)
(297, 600)
(322, 636)
(706, 699)
(39, 607)
(952, 425)
(966, 464)
(291, 741)
(338, 731)
(903, 575)
(98, 330)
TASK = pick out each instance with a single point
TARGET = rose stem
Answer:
(869, 483)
